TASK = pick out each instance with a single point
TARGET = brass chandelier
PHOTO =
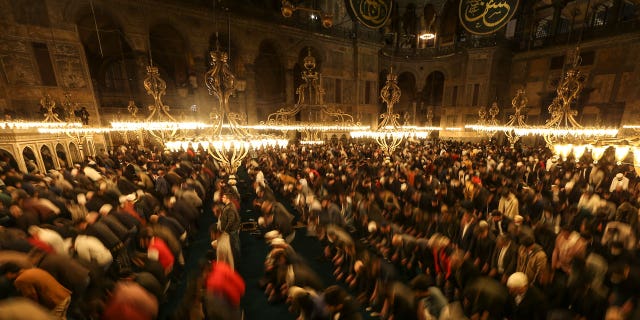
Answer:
(226, 139)
(160, 124)
(316, 116)
(562, 132)
(389, 134)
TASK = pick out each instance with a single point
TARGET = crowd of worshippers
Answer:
(103, 239)
(451, 230)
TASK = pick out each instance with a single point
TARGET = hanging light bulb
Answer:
(597, 152)
(578, 151)
(621, 152)
(564, 150)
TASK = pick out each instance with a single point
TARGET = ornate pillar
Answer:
(67, 152)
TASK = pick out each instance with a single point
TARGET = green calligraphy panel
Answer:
(484, 17)
(372, 13)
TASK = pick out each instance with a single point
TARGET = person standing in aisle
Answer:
(229, 222)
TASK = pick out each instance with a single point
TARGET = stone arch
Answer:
(432, 92)
(407, 84)
(8, 159)
(63, 157)
(30, 159)
(48, 158)
(449, 24)
(110, 57)
(90, 148)
(269, 74)
(169, 50)
(74, 10)
(75, 153)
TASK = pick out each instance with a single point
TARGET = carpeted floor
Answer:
(251, 264)
(195, 255)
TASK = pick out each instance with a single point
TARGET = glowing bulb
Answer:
(597, 152)
(621, 153)
(578, 151)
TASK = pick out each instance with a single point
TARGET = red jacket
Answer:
(225, 281)
(165, 257)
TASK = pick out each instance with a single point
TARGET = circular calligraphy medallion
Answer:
(484, 17)
(372, 13)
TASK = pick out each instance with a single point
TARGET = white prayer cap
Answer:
(278, 242)
(261, 221)
(272, 235)
(131, 197)
(372, 227)
(620, 175)
(91, 217)
(105, 209)
(33, 230)
(82, 199)
(570, 185)
(518, 219)
(517, 280)
(315, 206)
(92, 173)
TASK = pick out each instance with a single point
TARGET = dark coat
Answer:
(532, 307)
(510, 260)
(101, 231)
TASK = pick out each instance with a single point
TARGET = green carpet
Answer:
(251, 264)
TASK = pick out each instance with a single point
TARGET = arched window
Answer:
(7, 160)
(433, 89)
(542, 29)
(30, 160)
(47, 158)
(269, 73)
(110, 59)
(169, 52)
(449, 24)
(407, 84)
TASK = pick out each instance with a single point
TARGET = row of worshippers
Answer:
(103, 239)
(289, 278)
(460, 213)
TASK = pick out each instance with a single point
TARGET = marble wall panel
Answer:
(538, 68)
(19, 69)
(602, 85)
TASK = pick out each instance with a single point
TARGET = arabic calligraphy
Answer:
(486, 16)
(372, 13)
